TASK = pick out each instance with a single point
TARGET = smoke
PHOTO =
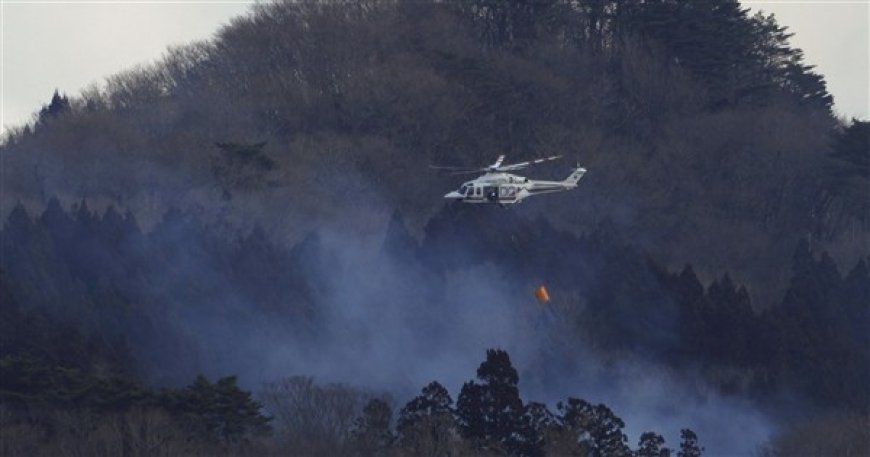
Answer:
(386, 322)
(344, 306)
(650, 397)
(390, 324)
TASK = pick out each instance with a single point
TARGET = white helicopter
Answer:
(498, 186)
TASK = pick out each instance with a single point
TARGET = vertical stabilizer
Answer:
(575, 176)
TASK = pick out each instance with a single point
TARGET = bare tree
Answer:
(312, 419)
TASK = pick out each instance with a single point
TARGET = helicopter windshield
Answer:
(463, 189)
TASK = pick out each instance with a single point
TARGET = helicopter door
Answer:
(491, 193)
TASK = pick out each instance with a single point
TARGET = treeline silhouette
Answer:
(488, 418)
(101, 274)
(708, 136)
(299, 417)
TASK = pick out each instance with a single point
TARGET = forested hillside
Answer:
(707, 137)
(258, 208)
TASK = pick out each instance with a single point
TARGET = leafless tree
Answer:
(312, 419)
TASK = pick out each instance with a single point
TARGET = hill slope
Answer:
(705, 146)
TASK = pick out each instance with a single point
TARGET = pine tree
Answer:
(490, 413)
(812, 281)
(59, 104)
(221, 411)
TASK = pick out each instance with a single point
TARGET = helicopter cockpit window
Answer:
(463, 190)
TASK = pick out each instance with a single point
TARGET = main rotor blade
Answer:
(498, 162)
(438, 167)
(468, 172)
(521, 165)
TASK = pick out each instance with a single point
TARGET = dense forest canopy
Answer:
(708, 137)
(259, 205)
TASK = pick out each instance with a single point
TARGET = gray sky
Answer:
(835, 37)
(68, 45)
(71, 44)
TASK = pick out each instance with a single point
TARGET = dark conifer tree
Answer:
(855, 294)
(426, 424)
(18, 224)
(490, 413)
(434, 401)
(57, 222)
(807, 86)
(35, 269)
(241, 417)
(688, 285)
(59, 104)
(847, 181)
(221, 411)
(852, 146)
(689, 446)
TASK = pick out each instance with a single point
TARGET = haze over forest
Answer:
(241, 249)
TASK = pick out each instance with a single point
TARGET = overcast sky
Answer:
(835, 37)
(71, 44)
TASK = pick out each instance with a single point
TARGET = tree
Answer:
(241, 416)
(310, 418)
(773, 63)
(59, 104)
(490, 413)
(595, 430)
(221, 411)
(807, 86)
(852, 146)
(426, 425)
(689, 446)
(371, 434)
(544, 424)
(507, 23)
(812, 280)
(651, 444)
(242, 167)
(856, 313)
(709, 38)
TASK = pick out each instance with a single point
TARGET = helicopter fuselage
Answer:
(506, 188)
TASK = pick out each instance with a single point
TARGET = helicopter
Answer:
(498, 186)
